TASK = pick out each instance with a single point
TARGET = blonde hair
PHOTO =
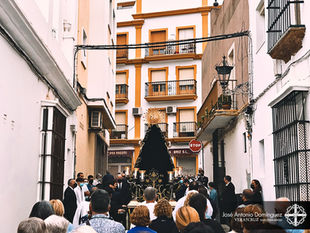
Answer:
(58, 207)
(184, 216)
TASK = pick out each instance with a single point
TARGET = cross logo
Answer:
(295, 215)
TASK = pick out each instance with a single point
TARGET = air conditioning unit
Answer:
(171, 110)
(95, 119)
(136, 111)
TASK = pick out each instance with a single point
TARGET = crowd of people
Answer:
(100, 205)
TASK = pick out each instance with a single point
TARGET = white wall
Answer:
(264, 71)
(61, 49)
(20, 109)
(169, 5)
(101, 69)
(237, 162)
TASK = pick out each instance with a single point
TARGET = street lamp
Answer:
(224, 73)
(215, 3)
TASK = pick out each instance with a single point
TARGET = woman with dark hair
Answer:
(163, 223)
(199, 203)
(42, 210)
(140, 217)
(257, 197)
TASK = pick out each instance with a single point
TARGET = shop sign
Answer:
(180, 152)
(120, 153)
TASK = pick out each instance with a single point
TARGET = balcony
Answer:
(121, 93)
(171, 90)
(216, 112)
(285, 31)
(120, 132)
(163, 127)
(184, 129)
(122, 54)
(170, 51)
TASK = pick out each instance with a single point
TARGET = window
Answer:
(184, 33)
(122, 40)
(158, 78)
(260, 25)
(158, 36)
(261, 153)
(186, 78)
(121, 90)
(186, 125)
(84, 52)
(120, 132)
(53, 137)
(291, 147)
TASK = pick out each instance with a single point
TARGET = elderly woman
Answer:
(164, 222)
(140, 217)
(32, 225)
(184, 216)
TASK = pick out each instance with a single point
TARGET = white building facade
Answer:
(266, 138)
(166, 78)
(281, 98)
(38, 103)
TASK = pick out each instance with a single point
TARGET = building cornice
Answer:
(173, 12)
(158, 58)
(20, 31)
(134, 23)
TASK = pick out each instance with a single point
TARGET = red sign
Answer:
(195, 145)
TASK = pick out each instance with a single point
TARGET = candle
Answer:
(127, 171)
(175, 172)
(170, 175)
(180, 171)
(135, 173)
(142, 175)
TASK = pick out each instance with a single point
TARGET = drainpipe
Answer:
(251, 102)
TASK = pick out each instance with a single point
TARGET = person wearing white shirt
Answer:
(193, 187)
(79, 193)
(150, 197)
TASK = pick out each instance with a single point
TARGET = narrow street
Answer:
(150, 100)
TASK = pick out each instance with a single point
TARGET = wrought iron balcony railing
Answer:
(284, 21)
(163, 127)
(120, 132)
(171, 88)
(170, 49)
(122, 53)
(184, 129)
(215, 102)
(121, 91)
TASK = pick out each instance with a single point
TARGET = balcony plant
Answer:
(224, 102)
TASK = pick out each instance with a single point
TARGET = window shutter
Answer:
(121, 78)
(158, 75)
(186, 74)
(120, 118)
(186, 34)
(187, 115)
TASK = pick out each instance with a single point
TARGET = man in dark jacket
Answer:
(228, 200)
(70, 200)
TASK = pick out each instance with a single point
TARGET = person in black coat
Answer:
(164, 222)
(228, 200)
(70, 200)
(199, 202)
(257, 192)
